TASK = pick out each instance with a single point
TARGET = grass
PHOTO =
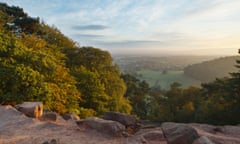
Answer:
(155, 78)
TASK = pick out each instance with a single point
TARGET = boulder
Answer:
(108, 127)
(9, 115)
(31, 109)
(125, 119)
(219, 134)
(231, 130)
(49, 116)
(153, 135)
(70, 116)
(148, 136)
(53, 141)
(203, 140)
(179, 133)
(208, 128)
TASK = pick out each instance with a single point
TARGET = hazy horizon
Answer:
(166, 52)
(146, 27)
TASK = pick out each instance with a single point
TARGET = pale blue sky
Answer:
(144, 26)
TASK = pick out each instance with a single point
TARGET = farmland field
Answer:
(160, 70)
(157, 78)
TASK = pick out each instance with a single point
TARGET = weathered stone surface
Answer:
(179, 133)
(209, 128)
(203, 140)
(219, 134)
(70, 116)
(152, 135)
(125, 119)
(31, 109)
(148, 136)
(53, 141)
(49, 116)
(231, 130)
(109, 127)
(9, 115)
(16, 128)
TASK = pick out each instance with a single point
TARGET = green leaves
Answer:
(35, 75)
(39, 63)
(92, 90)
(98, 79)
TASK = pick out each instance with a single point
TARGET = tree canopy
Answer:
(39, 63)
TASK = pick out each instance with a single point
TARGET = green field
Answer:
(155, 78)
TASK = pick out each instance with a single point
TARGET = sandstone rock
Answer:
(9, 115)
(53, 141)
(70, 116)
(148, 136)
(219, 134)
(231, 130)
(31, 109)
(16, 128)
(208, 128)
(46, 142)
(49, 116)
(108, 127)
(125, 119)
(203, 140)
(179, 133)
(153, 136)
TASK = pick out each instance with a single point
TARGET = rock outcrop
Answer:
(179, 133)
(9, 115)
(219, 134)
(203, 140)
(150, 135)
(31, 109)
(71, 116)
(125, 119)
(129, 121)
(16, 127)
(109, 127)
(49, 116)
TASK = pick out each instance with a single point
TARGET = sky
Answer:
(178, 27)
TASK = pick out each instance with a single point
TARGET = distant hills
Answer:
(131, 64)
(210, 70)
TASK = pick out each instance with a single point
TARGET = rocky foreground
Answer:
(113, 128)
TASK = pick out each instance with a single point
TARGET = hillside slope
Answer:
(210, 70)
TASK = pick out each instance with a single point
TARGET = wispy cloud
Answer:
(90, 27)
(87, 36)
(128, 43)
(129, 24)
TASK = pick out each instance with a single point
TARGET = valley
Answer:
(164, 70)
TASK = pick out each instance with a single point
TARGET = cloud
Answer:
(142, 24)
(90, 27)
(87, 36)
(128, 43)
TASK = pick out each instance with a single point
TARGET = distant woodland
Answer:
(210, 70)
(39, 63)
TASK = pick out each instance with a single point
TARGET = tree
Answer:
(176, 104)
(137, 93)
(222, 99)
(39, 63)
(92, 90)
(99, 65)
(28, 75)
